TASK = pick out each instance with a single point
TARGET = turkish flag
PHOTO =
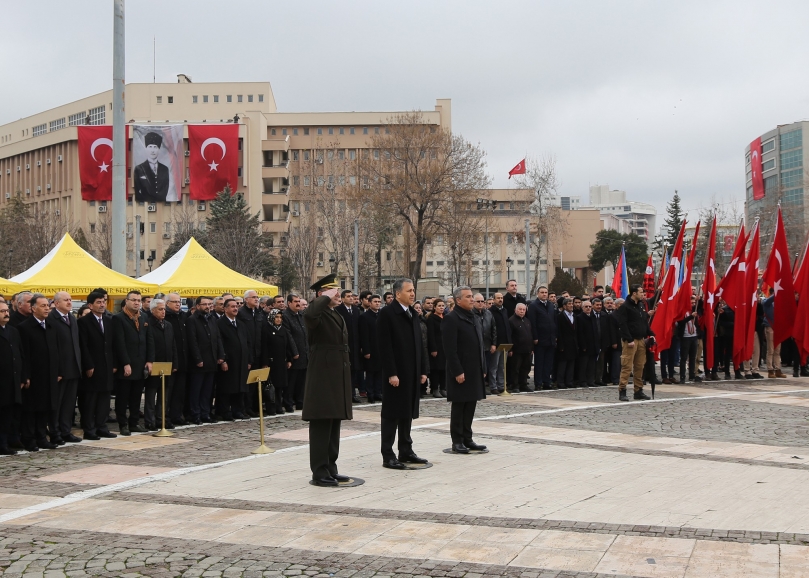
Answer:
(755, 169)
(518, 170)
(744, 328)
(686, 291)
(709, 295)
(213, 159)
(800, 329)
(668, 306)
(726, 290)
(778, 275)
(95, 162)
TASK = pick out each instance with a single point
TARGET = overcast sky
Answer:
(647, 97)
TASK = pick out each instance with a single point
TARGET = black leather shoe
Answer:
(105, 434)
(393, 464)
(16, 445)
(639, 395)
(239, 416)
(31, 447)
(7, 452)
(57, 441)
(474, 446)
(340, 478)
(46, 445)
(125, 431)
(412, 459)
(138, 428)
(459, 449)
(758, 376)
(150, 427)
(622, 395)
(70, 438)
(180, 421)
(92, 437)
(328, 482)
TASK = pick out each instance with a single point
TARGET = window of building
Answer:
(204, 98)
(790, 179)
(261, 98)
(97, 115)
(294, 155)
(216, 98)
(230, 98)
(376, 154)
(239, 171)
(171, 100)
(793, 197)
(765, 148)
(249, 98)
(159, 100)
(284, 131)
(320, 181)
(296, 180)
(153, 227)
(272, 132)
(330, 155)
(510, 239)
(40, 129)
(92, 227)
(342, 130)
(351, 130)
(342, 180)
(167, 227)
(341, 155)
(365, 130)
(153, 254)
(305, 181)
(239, 98)
(320, 131)
(766, 166)
(790, 140)
(306, 131)
(57, 124)
(294, 132)
(306, 155)
(352, 154)
(194, 99)
(376, 130)
(792, 159)
(331, 131)
(352, 180)
(76, 119)
(770, 184)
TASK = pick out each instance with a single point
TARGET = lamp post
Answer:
(509, 261)
(149, 262)
(489, 205)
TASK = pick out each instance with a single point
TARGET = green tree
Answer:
(608, 247)
(564, 281)
(285, 273)
(671, 225)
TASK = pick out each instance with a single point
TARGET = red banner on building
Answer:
(213, 159)
(95, 162)
(755, 170)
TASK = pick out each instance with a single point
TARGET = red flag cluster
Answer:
(213, 160)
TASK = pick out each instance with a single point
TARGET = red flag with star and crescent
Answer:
(778, 275)
(213, 160)
(800, 328)
(709, 294)
(755, 170)
(95, 162)
(748, 300)
(518, 170)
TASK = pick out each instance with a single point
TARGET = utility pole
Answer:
(356, 256)
(137, 246)
(118, 142)
(527, 261)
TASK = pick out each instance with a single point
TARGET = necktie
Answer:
(234, 322)
(67, 319)
(42, 323)
(409, 315)
(100, 324)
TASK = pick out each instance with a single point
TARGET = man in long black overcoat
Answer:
(67, 333)
(231, 381)
(11, 378)
(98, 367)
(401, 350)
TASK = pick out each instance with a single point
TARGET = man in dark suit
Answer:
(588, 338)
(296, 379)
(328, 382)
(12, 379)
(401, 350)
(67, 333)
(351, 315)
(40, 349)
(151, 179)
(369, 349)
(133, 346)
(165, 350)
(205, 356)
(253, 318)
(542, 315)
(22, 308)
(231, 381)
(178, 320)
(511, 298)
(95, 337)
(495, 362)
(463, 347)
(567, 348)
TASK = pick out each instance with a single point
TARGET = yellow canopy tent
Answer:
(192, 271)
(68, 267)
(7, 287)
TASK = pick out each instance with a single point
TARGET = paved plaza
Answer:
(706, 480)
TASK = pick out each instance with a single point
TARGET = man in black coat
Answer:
(253, 318)
(296, 379)
(519, 360)
(369, 349)
(151, 178)
(12, 379)
(351, 315)
(95, 338)
(495, 362)
(133, 346)
(22, 308)
(401, 350)
(542, 315)
(588, 338)
(567, 347)
(463, 348)
(40, 348)
(178, 320)
(231, 381)
(165, 350)
(67, 333)
(633, 325)
(205, 354)
(511, 298)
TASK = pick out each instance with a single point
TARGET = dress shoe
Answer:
(770, 375)
(299, 407)
(804, 372)
(494, 392)
(169, 425)
(89, 436)
(682, 380)
(57, 441)
(70, 438)
(667, 381)
(622, 395)
(138, 428)
(412, 459)
(738, 375)
(641, 396)
(16, 445)
(179, 421)
(280, 411)
(393, 464)
(698, 379)
(436, 393)
(227, 417)
(150, 427)
(102, 433)
(474, 446)
(459, 449)
(31, 447)
(239, 416)
(328, 482)
(7, 452)
(289, 408)
(46, 445)
(250, 413)
(443, 393)
(341, 479)
(125, 431)
(757, 376)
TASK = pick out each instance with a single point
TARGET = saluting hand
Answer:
(394, 380)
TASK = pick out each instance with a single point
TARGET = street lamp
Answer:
(509, 261)
(149, 262)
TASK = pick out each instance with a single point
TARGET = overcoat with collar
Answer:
(96, 353)
(69, 347)
(543, 322)
(238, 356)
(204, 343)
(297, 332)
(369, 344)
(352, 321)
(132, 346)
(401, 351)
(463, 348)
(40, 349)
(328, 389)
(11, 366)
(567, 346)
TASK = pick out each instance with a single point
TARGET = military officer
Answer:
(152, 177)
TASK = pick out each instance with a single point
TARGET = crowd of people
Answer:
(53, 361)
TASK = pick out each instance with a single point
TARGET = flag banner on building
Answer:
(663, 321)
(213, 159)
(649, 279)
(518, 170)
(778, 275)
(95, 162)
(709, 295)
(157, 155)
(755, 170)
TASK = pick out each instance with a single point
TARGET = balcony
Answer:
(275, 197)
(276, 144)
(275, 171)
(279, 226)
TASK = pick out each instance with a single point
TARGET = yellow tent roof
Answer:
(8, 287)
(192, 271)
(68, 267)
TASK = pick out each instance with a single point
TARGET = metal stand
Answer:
(504, 348)
(258, 376)
(161, 369)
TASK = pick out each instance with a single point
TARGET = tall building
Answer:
(641, 217)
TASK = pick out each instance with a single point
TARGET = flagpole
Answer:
(118, 257)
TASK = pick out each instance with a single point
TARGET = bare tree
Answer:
(302, 248)
(462, 228)
(101, 240)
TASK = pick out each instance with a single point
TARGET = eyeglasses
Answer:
(479, 301)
